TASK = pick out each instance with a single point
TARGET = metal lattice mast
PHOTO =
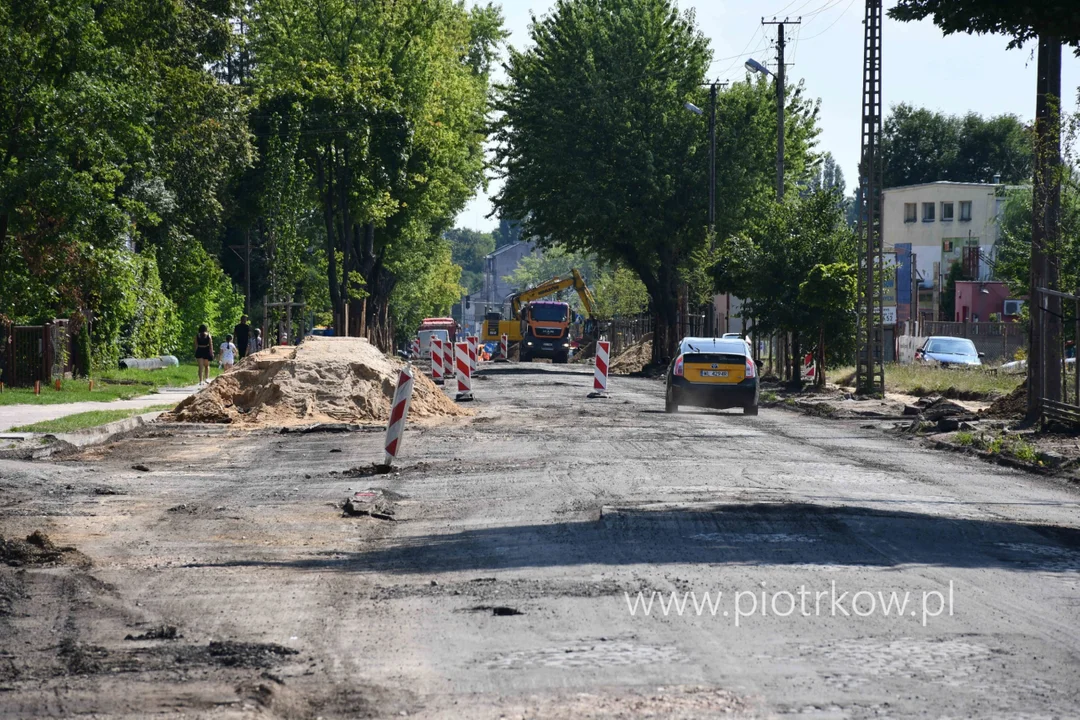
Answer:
(870, 368)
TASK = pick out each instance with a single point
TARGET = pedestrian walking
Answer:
(228, 353)
(204, 353)
(242, 333)
(254, 344)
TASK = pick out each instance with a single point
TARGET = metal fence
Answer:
(623, 332)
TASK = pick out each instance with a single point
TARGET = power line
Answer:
(838, 17)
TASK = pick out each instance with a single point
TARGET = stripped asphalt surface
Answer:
(521, 540)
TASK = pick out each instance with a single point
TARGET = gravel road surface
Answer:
(529, 568)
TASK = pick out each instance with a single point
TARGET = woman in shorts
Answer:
(204, 353)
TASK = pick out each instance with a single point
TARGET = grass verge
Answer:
(81, 421)
(925, 380)
(108, 385)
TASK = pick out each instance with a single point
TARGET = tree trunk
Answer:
(819, 374)
(796, 361)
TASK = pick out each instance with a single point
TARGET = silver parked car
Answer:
(946, 351)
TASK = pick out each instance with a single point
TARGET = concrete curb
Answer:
(104, 433)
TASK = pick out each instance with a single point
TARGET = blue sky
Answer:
(921, 67)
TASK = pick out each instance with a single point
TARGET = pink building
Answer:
(976, 301)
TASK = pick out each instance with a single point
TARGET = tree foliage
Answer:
(598, 153)
(773, 264)
(468, 249)
(1022, 20)
(390, 100)
(921, 145)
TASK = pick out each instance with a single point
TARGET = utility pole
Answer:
(1044, 340)
(781, 74)
(870, 353)
(712, 163)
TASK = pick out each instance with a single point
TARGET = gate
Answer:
(34, 353)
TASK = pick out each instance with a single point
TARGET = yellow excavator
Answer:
(543, 328)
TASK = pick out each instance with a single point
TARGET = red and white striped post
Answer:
(504, 347)
(436, 360)
(448, 360)
(463, 368)
(414, 349)
(474, 347)
(603, 352)
(399, 411)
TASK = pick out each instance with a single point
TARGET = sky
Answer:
(920, 66)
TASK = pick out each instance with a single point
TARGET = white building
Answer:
(939, 219)
(940, 223)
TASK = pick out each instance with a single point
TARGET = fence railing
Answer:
(623, 332)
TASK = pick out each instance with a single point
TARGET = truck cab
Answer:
(545, 331)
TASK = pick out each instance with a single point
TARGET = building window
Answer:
(928, 212)
(910, 212)
(965, 210)
(946, 211)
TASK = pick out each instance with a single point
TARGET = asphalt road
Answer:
(522, 539)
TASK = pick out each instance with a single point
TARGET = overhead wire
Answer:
(833, 23)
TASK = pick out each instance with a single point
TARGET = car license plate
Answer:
(714, 373)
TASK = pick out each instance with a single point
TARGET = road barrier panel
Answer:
(474, 349)
(600, 373)
(436, 360)
(399, 411)
(463, 368)
(504, 347)
(448, 361)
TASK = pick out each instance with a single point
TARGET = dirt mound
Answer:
(38, 549)
(322, 380)
(1013, 405)
(633, 358)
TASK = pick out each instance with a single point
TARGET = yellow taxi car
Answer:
(716, 373)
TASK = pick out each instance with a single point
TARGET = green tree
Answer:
(598, 153)
(392, 103)
(920, 145)
(769, 264)
(948, 293)
(508, 233)
(469, 248)
(831, 291)
(620, 293)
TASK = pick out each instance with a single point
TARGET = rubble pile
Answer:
(1013, 405)
(634, 358)
(332, 379)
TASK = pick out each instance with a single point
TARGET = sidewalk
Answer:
(15, 415)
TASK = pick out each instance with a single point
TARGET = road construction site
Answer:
(502, 569)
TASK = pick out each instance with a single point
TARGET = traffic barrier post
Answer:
(463, 368)
(436, 360)
(474, 347)
(448, 361)
(399, 411)
(504, 347)
(600, 373)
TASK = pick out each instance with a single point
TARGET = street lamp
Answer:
(754, 66)
(712, 171)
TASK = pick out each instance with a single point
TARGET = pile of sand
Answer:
(323, 380)
(633, 358)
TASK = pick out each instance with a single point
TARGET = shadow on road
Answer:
(530, 369)
(761, 534)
